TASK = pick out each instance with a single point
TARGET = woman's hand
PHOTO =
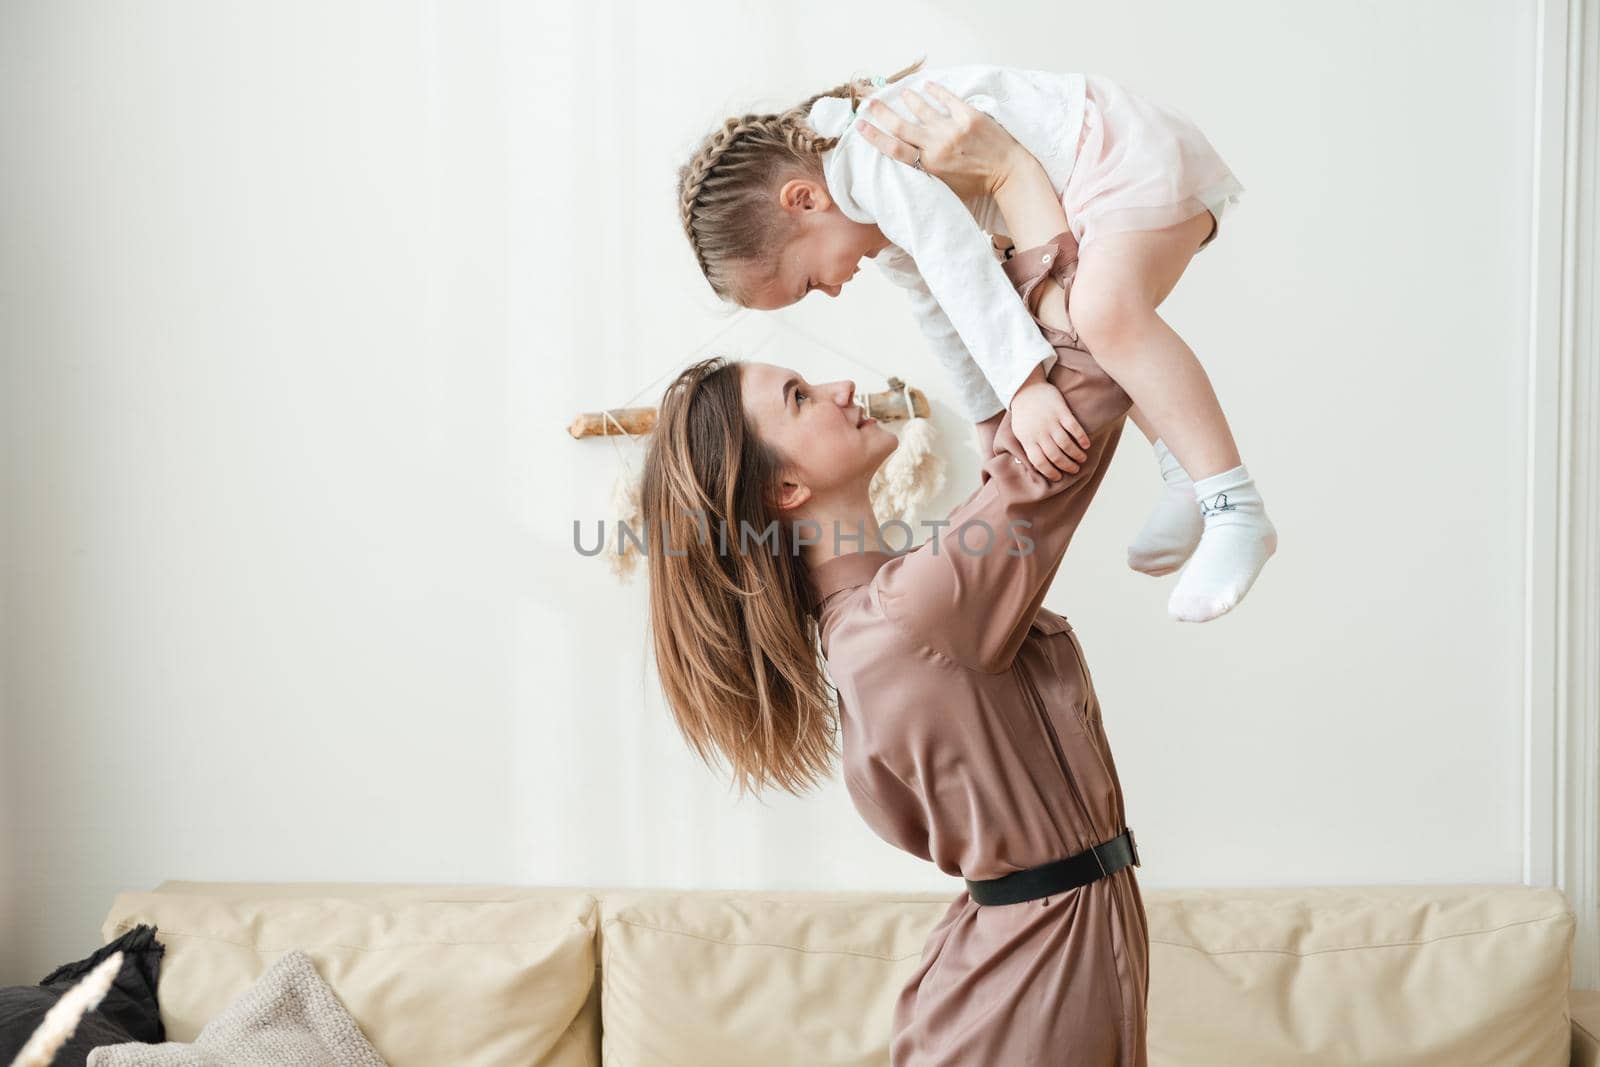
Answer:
(960, 145)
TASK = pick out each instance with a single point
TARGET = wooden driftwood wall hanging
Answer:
(886, 406)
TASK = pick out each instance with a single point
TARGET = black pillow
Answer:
(129, 1011)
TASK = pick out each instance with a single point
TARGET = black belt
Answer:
(1058, 876)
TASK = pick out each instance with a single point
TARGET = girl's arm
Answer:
(923, 217)
(974, 155)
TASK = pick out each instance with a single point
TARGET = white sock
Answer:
(1173, 529)
(1238, 540)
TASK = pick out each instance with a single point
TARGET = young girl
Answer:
(776, 205)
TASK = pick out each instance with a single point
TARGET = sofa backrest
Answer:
(434, 975)
(578, 977)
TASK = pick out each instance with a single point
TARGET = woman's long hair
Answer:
(735, 642)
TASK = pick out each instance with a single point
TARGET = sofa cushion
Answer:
(471, 977)
(126, 1012)
(740, 978)
(287, 1017)
(1585, 1007)
(1427, 976)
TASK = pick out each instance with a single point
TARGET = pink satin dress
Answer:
(972, 738)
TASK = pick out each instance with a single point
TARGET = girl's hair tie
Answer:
(878, 82)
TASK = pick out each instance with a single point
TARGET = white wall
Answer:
(299, 298)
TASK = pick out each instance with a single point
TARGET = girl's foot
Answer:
(1237, 542)
(1173, 529)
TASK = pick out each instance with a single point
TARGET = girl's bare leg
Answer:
(1121, 279)
(1136, 416)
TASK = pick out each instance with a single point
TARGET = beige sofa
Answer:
(490, 976)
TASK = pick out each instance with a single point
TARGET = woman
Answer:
(971, 733)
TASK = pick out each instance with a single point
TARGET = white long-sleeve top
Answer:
(940, 251)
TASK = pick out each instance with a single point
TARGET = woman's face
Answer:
(830, 447)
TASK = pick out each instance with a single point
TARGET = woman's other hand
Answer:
(966, 149)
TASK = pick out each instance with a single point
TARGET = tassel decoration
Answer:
(626, 510)
(913, 474)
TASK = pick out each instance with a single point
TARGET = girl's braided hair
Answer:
(726, 190)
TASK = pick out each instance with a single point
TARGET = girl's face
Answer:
(824, 252)
(831, 447)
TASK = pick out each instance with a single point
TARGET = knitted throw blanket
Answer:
(287, 1018)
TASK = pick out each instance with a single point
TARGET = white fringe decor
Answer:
(912, 475)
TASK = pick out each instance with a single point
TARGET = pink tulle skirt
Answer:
(1141, 166)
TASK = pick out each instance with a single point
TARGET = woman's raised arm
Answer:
(972, 593)
(975, 156)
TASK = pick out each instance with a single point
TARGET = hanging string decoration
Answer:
(622, 554)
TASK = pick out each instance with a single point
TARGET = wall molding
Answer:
(1561, 628)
